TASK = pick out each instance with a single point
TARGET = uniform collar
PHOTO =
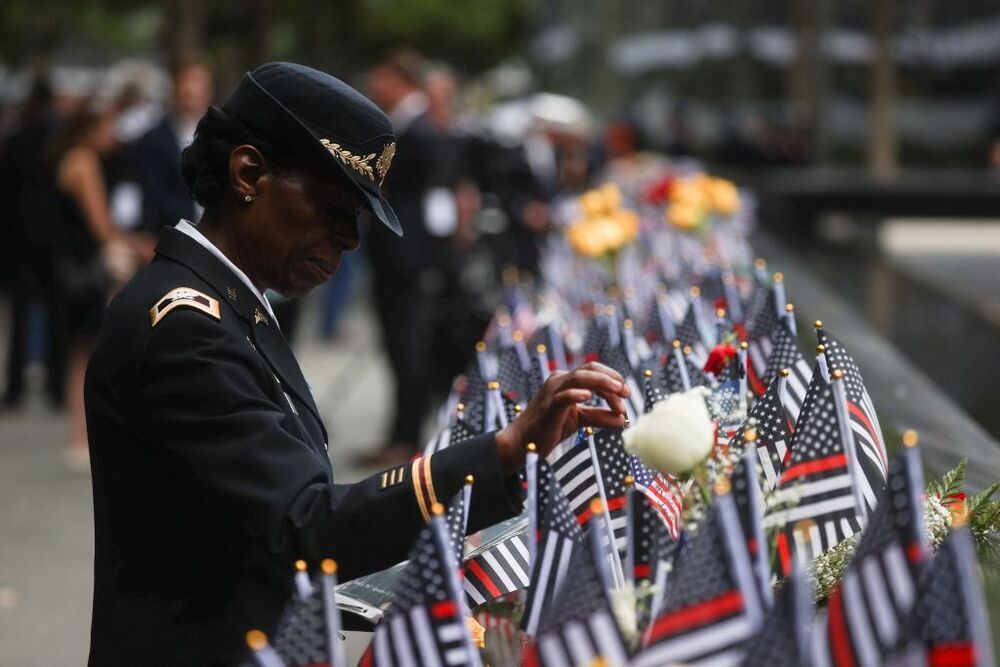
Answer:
(187, 228)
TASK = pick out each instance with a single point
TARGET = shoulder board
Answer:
(184, 297)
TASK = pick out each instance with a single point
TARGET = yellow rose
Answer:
(612, 197)
(685, 216)
(723, 196)
(593, 203)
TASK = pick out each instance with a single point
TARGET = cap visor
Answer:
(381, 210)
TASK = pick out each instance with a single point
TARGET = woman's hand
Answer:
(556, 412)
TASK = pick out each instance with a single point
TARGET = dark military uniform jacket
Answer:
(211, 473)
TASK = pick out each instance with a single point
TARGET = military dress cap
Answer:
(321, 118)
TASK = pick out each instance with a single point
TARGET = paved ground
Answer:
(46, 523)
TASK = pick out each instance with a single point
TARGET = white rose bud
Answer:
(675, 436)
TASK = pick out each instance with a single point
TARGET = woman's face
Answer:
(304, 224)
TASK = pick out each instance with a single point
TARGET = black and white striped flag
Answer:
(869, 607)
(768, 419)
(497, 571)
(863, 420)
(712, 602)
(559, 535)
(785, 353)
(817, 483)
(949, 624)
(426, 621)
(580, 628)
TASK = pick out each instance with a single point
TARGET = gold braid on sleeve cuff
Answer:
(423, 486)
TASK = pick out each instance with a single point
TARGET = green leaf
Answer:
(977, 502)
(951, 482)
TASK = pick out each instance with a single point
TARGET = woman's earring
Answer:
(248, 198)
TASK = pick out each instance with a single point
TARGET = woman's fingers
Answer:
(570, 396)
(600, 417)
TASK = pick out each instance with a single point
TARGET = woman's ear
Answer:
(247, 171)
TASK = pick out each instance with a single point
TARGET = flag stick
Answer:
(264, 655)
(611, 321)
(558, 349)
(440, 532)
(616, 561)
(744, 375)
(522, 351)
(666, 322)
(466, 503)
(732, 296)
(760, 270)
(543, 361)
(481, 360)
(790, 318)
(824, 368)
(531, 472)
(335, 646)
(597, 515)
(681, 365)
(847, 436)
(628, 338)
(783, 392)
(699, 315)
(779, 294)
(630, 530)
(303, 587)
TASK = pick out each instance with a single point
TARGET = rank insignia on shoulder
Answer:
(391, 478)
(258, 316)
(184, 297)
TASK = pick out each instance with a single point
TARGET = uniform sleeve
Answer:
(208, 398)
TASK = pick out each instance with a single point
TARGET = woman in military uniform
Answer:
(209, 460)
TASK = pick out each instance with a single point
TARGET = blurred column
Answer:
(809, 75)
(882, 161)
(329, 32)
(183, 28)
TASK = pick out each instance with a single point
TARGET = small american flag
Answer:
(559, 536)
(712, 603)
(949, 621)
(689, 333)
(875, 596)
(499, 570)
(672, 373)
(580, 628)
(426, 621)
(819, 476)
(651, 547)
(664, 493)
(787, 636)
(514, 382)
(575, 469)
(762, 318)
(785, 353)
(863, 420)
(767, 418)
(308, 633)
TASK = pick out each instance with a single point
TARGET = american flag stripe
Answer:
(583, 643)
(500, 570)
(552, 564)
(698, 646)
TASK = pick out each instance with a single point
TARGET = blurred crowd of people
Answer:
(89, 180)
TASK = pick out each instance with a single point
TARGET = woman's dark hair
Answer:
(72, 131)
(205, 163)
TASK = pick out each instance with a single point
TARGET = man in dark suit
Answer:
(399, 269)
(209, 456)
(157, 154)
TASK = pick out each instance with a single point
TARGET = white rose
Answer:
(675, 436)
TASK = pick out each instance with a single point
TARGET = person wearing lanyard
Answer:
(209, 456)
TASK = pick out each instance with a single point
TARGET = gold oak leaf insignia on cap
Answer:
(183, 297)
(385, 160)
(358, 163)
